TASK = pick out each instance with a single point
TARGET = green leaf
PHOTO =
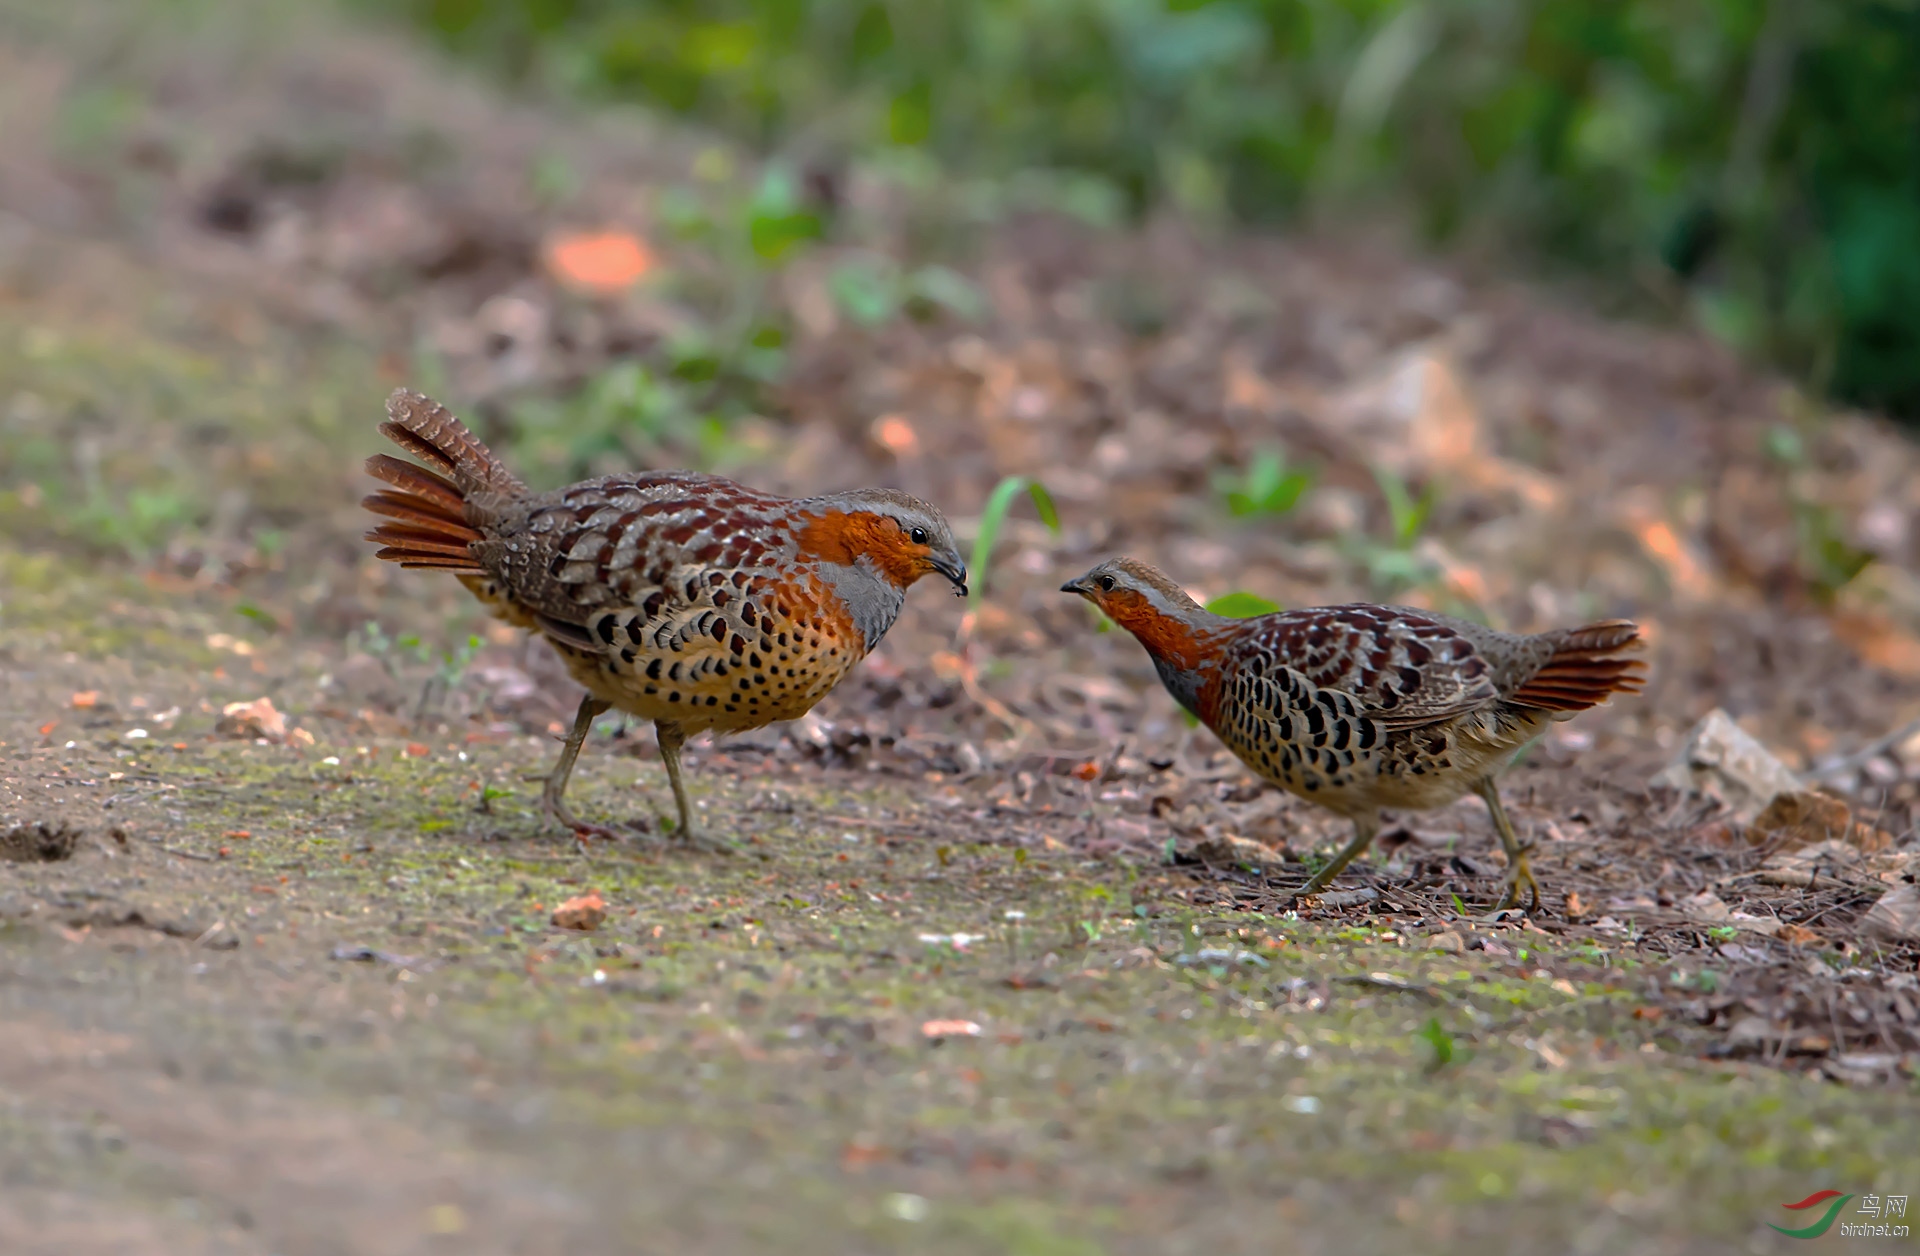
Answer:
(1435, 1036)
(994, 515)
(259, 616)
(866, 289)
(910, 115)
(777, 223)
(682, 212)
(1407, 513)
(1267, 487)
(1785, 446)
(1242, 605)
(938, 288)
(1043, 505)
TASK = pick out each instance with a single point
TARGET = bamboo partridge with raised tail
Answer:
(686, 599)
(1362, 707)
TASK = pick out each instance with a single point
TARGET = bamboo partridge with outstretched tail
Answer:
(1361, 707)
(686, 599)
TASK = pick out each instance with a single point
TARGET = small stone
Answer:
(1802, 867)
(1754, 1034)
(37, 841)
(248, 720)
(1706, 907)
(1800, 817)
(1805, 817)
(1228, 848)
(1896, 917)
(1449, 942)
(585, 912)
(1722, 760)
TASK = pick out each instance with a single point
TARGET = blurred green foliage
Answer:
(1241, 604)
(1755, 160)
(1267, 486)
(993, 517)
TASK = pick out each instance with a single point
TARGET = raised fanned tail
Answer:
(433, 507)
(1589, 665)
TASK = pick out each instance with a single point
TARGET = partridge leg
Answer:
(671, 737)
(552, 796)
(1364, 827)
(1519, 873)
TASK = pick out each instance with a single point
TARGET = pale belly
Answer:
(707, 702)
(1416, 770)
(699, 690)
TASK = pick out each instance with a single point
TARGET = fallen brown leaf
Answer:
(601, 263)
(585, 912)
(252, 719)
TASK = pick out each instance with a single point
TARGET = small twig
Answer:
(1872, 750)
(1386, 981)
(187, 854)
(1528, 1017)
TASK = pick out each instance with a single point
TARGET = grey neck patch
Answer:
(871, 599)
(1184, 686)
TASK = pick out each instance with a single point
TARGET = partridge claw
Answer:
(1519, 873)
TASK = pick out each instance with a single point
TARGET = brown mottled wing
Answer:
(1403, 669)
(686, 587)
(652, 542)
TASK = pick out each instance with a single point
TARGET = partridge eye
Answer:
(919, 536)
(1106, 584)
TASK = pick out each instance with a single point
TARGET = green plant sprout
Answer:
(1828, 560)
(777, 222)
(448, 665)
(872, 290)
(1242, 605)
(1440, 1041)
(1392, 564)
(264, 618)
(1407, 514)
(1267, 487)
(994, 515)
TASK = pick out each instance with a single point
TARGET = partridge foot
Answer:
(562, 815)
(1519, 873)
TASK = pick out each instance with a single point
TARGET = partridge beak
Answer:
(1074, 585)
(955, 571)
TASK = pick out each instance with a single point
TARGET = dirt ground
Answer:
(986, 973)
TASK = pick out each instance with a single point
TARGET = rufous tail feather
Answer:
(433, 507)
(1589, 665)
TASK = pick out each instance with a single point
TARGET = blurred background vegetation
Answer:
(1754, 164)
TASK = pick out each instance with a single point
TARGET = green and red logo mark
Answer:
(1821, 1226)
